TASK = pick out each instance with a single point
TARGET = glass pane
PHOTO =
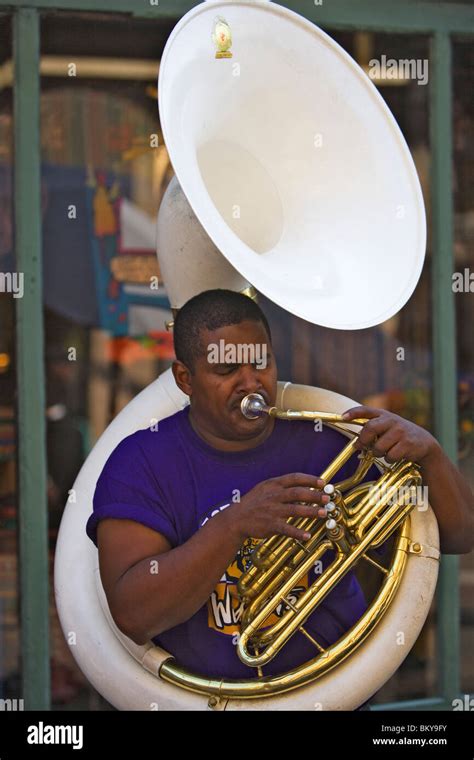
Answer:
(463, 285)
(104, 171)
(10, 678)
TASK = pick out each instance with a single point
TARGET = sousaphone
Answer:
(293, 177)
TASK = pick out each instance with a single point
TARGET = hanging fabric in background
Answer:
(131, 299)
(99, 246)
(102, 272)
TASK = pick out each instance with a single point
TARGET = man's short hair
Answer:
(210, 310)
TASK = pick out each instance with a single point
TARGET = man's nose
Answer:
(249, 378)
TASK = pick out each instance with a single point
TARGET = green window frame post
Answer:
(444, 338)
(32, 473)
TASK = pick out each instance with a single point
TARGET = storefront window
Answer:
(463, 286)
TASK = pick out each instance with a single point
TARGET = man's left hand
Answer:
(391, 436)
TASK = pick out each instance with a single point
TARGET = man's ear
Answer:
(182, 376)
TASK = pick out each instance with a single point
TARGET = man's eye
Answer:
(226, 369)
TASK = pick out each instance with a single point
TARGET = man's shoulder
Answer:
(153, 444)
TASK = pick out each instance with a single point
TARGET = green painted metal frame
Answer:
(383, 15)
(444, 335)
(440, 21)
(33, 512)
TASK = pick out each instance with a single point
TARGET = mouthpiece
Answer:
(253, 406)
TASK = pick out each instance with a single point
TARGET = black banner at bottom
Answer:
(84, 734)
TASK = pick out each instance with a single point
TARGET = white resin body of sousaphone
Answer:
(296, 171)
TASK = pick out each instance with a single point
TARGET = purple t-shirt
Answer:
(172, 481)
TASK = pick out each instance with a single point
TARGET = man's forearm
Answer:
(156, 597)
(452, 502)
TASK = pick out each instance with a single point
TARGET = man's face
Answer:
(237, 360)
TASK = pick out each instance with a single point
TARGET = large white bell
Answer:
(293, 164)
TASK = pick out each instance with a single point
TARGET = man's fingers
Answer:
(361, 411)
(385, 442)
(373, 430)
(396, 453)
(300, 479)
(310, 495)
(301, 510)
(290, 530)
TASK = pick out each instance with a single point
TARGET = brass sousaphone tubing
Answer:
(357, 521)
(361, 516)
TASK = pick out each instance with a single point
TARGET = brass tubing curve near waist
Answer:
(267, 686)
(291, 553)
(275, 584)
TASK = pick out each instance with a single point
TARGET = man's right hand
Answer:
(144, 603)
(265, 509)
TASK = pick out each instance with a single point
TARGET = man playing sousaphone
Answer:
(180, 506)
